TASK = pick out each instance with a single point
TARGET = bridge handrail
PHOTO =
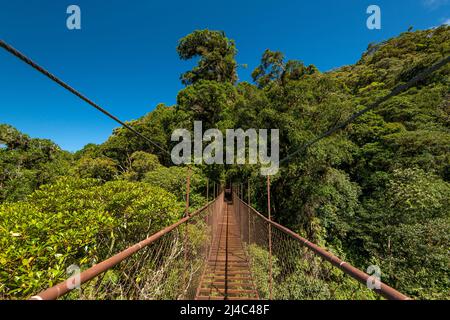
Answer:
(384, 290)
(66, 286)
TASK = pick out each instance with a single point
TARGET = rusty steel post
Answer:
(186, 232)
(188, 186)
(238, 204)
(239, 210)
(207, 199)
(242, 213)
(248, 209)
(270, 237)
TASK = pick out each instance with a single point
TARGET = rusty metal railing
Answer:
(297, 268)
(151, 269)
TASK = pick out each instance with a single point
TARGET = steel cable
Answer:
(396, 91)
(34, 65)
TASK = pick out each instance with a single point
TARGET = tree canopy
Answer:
(217, 56)
(377, 192)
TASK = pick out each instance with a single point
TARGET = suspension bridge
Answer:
(226, 250)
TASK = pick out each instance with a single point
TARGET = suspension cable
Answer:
(396, 91)
(34, 65)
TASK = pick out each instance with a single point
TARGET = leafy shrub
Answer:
(303, 277)
(75, 221)
(173, 179)
(27, 163)
(143, 162)
(97, 168)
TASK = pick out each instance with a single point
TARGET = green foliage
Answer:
(207, 101)
(158, 125)
(27, 163)
(375, 193)
(417, 260)
(273, 69)
(412, 195)
(12, 138)
(140, 163)
(259, 267)
(216, 54)
(383, 177)
(98, 168)
(173, 179)
(302, 277)
(75, 221)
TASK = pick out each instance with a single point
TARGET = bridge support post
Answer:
(186, 233)
(237, 203)
(270, 237)
(248, 210)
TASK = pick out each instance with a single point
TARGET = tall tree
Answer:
(217, 56)
(273, 68)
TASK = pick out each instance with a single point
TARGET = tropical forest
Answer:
(375, 193)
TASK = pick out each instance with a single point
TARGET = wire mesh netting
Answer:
(225, 250)
(167, 269)
(284, 266)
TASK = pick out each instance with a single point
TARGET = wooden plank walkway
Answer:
(227, 274)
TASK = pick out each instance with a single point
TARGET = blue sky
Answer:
(124, 56)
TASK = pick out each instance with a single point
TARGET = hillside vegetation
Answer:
(376, 193)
